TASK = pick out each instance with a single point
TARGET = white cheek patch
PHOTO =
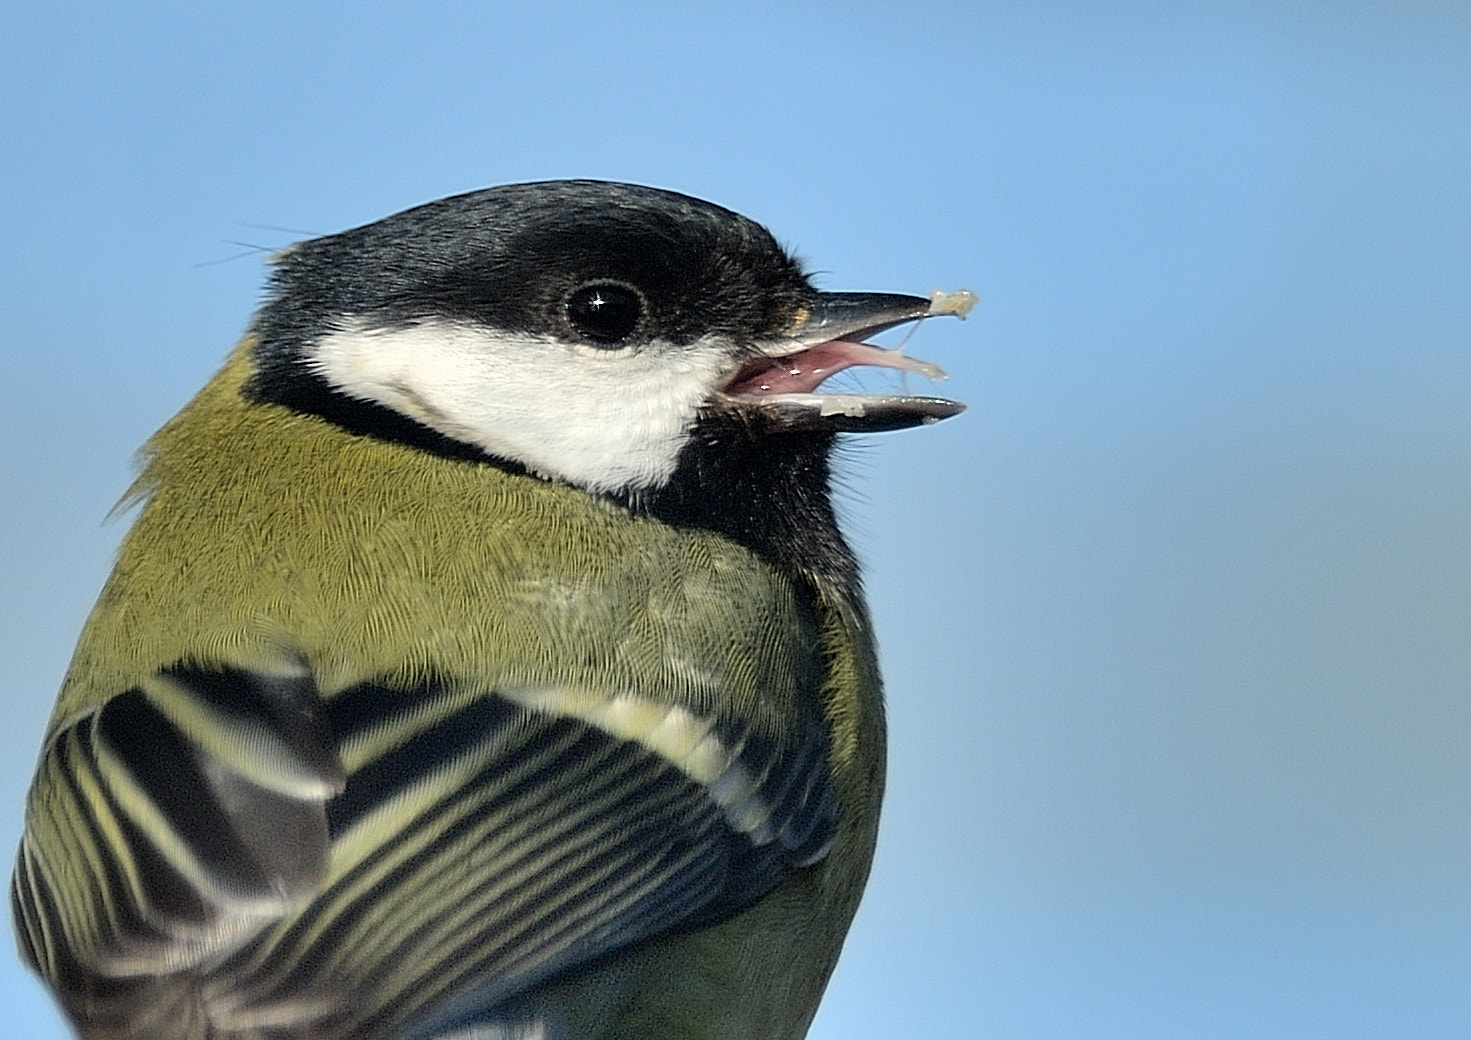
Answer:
(604, 420)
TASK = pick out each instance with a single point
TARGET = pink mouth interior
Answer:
(804, 371)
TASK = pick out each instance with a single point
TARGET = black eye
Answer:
(604, 312)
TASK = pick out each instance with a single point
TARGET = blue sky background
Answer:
(1175, 618)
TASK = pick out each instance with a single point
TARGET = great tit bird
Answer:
(484, 661)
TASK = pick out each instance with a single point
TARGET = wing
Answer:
(227, 854)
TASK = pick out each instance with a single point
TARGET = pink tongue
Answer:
(803, 372)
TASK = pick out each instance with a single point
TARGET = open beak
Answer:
(780, 383)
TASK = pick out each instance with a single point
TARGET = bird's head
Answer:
(582, 330)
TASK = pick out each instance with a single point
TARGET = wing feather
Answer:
(271, 861)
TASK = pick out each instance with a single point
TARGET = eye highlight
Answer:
(605, 313)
